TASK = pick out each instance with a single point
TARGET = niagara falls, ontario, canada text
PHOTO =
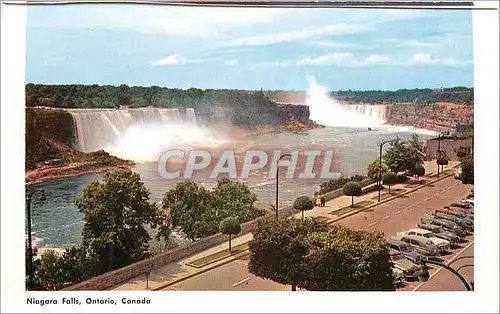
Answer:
(306, 164)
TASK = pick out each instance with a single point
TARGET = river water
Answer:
(58, 222)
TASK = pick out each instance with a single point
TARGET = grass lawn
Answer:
(361, 204)
(206, 260)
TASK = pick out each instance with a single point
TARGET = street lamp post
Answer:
(381, 145)
(424, 273)
(29, 196)
(277, 179)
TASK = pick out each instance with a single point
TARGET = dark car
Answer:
(439, 232)
(445, 224)
(460, 204)
(400, 262)
(459, 221)
(406, 249)
(456, 213)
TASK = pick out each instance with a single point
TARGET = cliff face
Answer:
(440, 117)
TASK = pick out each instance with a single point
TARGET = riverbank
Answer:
(75, 169)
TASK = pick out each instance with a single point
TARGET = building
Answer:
(450, 145)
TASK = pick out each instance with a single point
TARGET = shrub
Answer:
(230, 226)
(303, 203)
(352, 189)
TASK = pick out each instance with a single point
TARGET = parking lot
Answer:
(390, 218)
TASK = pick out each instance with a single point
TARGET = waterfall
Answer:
(327, 111)
(139, 133)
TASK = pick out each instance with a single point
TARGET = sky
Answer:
(248, 48)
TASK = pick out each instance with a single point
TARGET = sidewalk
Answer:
(170, 273)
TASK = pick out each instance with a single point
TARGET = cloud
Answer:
(182, 21)
(274, 38)
(232, 62)
(377, 59)
(331, 58)
(174, 59)
(422, 58)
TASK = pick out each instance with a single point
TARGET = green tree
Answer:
(233, 199)
(189, 208)
(303, 203)
(419, 170)
(352, 189)
(374, 170)
(278, 251)
(230, 226)
(115, 214)
(401, 157)
(342, 259)
(442, 161)
(49, 272)
(467, 165)
(390, 178)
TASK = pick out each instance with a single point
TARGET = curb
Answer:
(354, 212)
(216, 265)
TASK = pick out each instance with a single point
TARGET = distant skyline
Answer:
(240, 48)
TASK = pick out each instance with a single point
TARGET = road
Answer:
(389, 218)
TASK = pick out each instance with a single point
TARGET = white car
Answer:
(458, 173)
(468, 201)
(443, 245)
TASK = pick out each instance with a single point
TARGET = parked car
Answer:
(469, 201)
(406, 249)
(421, 245)
(439, 232)
(461, 205)
(402, 263)
(459, 221)
(443, 245)
(456, 213)
(398, 276)
(468, 211)
(446, 224)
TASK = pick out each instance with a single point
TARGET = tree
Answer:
(419, 170)
(49, 273)
(188, 208)
(374, 170)
(233, 199)
(467, 165)
(400, 157)
(352, 189)
(342, 259)
(389, 179)
(442, 161)
(115, 214)
(303, 203)
(278, 251)
(230, 226)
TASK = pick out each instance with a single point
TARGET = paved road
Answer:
(391, 217)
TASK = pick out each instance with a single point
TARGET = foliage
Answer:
(352, 189)
(419, 170)
(311, 255)
(467, 165)
(188, 208)
(342, 259)
(115, 214)
(402, 157)
(338, 183)
(374, 169)
(234, 198)
(278, 251)
(390, 178)
(442, 161)
(197, 211)
(230, 226)
(303, 203)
